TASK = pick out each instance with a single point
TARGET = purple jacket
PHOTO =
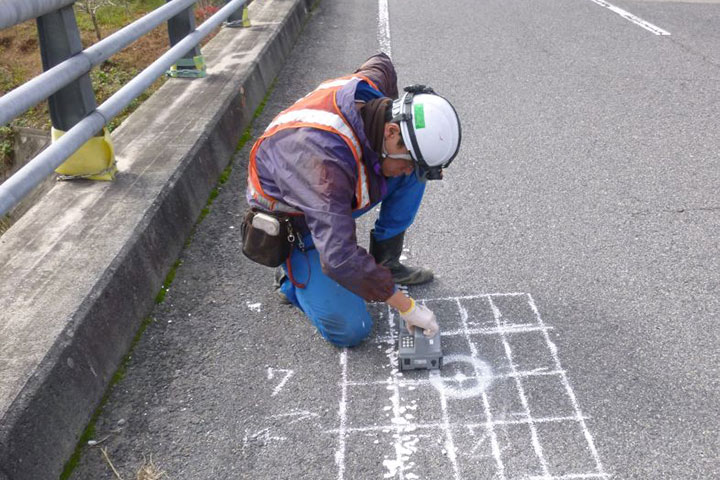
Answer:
(315, 172)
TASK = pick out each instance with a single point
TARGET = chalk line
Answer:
(483, 378)
(439, 425)
(507, 329)
(271, 375)
(342, 414)
(479, 295)
(571, 476)
(411, 382)
(569, 390)
(449, 441)
(634, 19)
(262, 435)
(489, 425)
(521, 391)
(405, 442)
(255, 307)
(300, 414)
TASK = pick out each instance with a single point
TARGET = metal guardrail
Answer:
(16, 102)
(13, 12)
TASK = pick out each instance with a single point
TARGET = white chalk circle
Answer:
(454, 389)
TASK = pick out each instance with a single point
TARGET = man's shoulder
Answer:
(306, 142)
(380, 69)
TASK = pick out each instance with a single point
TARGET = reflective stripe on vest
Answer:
(318, 110)
(318, 117)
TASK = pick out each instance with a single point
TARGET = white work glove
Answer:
(422, 317)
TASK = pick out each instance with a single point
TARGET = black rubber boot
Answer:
(387, 253)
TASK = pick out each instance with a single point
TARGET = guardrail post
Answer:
(59, 40)
(241, 18)
(192, 64)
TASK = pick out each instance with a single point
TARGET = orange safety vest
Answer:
(318, 109)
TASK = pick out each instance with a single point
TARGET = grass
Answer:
(89, 432)
(247, 134)
(20, 57)
(160, 297)
(5, 223)
(225, 175)
(7, 139)
(148, 471)
(112, 17)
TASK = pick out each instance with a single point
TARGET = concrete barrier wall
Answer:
(80, 271)
(28, 143)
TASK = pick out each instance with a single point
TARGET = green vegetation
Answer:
(111, 16)
(20, 58)
(89, 432)
(7, 140)
(160, 297)
(106, 79)
(247, 134)
(11, 76)
(4, 223)
(109, 78)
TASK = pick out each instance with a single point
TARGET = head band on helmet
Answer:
(430, 129)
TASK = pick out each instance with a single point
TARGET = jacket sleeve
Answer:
(313, 180)
(380, 69)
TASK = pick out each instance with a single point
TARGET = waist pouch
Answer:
(267, 238)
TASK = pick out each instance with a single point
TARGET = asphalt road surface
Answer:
(575, 241)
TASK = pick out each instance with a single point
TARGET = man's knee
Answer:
(340, 316)
(345, 332)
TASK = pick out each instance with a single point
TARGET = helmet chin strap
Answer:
(421, 173)
(399, 156)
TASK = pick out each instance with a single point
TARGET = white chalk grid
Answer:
(501, 407)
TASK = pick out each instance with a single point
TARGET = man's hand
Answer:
(422, 317)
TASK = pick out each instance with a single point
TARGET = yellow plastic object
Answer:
(95, 160)
(194, 68)
(246, 17)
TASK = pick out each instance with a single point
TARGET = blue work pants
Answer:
(339, 315)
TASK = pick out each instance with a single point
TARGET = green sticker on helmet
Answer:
(419, 116)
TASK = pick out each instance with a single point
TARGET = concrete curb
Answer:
(80, 270)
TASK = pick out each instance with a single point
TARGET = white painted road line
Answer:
(384, 27)
(629, 16)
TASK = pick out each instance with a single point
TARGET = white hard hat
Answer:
(430, 129)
